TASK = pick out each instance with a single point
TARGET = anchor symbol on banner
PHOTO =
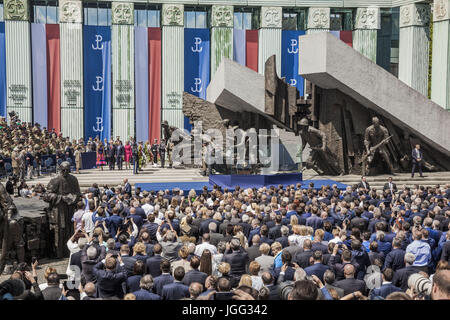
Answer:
(198, 85)
(99, 81)
(98, 39)
(293, 82)
(198, 42)
(293, 49)
(99, 124)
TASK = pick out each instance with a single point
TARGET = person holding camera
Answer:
(110, 277)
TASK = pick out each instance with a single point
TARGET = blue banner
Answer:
(196, 64)
(2, 71)
(141, 82)
(239, 46)
(289, 58)
(97, 81)
(39, 65)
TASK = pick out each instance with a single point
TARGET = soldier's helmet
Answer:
(303, 122)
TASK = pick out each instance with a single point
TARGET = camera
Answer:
(421, 285)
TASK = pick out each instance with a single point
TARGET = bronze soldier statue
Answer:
(63, 192)
(321, 158)
(11, 230)
(375, 138)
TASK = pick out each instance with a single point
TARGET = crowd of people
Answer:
(277, 243)
(26, 144)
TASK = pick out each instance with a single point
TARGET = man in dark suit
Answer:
(329, 280)
(163, 279)
(194, 275)
(416, 160)
(363, 184)
(109, 277)
(303, 258)
(445, 255)
(214, 236)
(120, 152)
(145, 293)
(253, 251)
(111, 153)
(401, 276)
(350, 284)
(358, 222)
(317, 268)
(153, 263)
(269, 282)
(395, 259)
(275, 232)
(391, 186)
(283, 239)
(127, 260)
(238, 260)
(126, 186)
(176, 290)
(387, 287)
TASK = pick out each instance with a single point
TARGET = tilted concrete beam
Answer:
(331, 64)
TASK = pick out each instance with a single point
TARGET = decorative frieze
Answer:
(173, 15)
(70, 11)
(16, 10)
(122, 13)
(319, 18)
(222, 16)
(368, 19)
(271, 17)
(415, 15)
(441, 10)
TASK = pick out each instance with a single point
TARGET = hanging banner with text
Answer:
(289, 58)
(97, 82)
(196, 64)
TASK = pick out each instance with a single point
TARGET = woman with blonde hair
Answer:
(183, 253)
(246, 280)
(238, 233)
(140, 251)
(47, 272)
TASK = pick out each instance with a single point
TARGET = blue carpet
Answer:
(198, 186)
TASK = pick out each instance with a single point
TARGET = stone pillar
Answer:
(270, 37)
(172, 22)
(71, 42)
(122, 54)
(318, 20)
(367, 23)
(18, 59)
(222, 21)
(414, 46)
(440, 73)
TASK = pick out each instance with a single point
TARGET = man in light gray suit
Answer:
(265, 261)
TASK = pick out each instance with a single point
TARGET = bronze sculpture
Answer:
(63, 193)
(375, 138)
(321, 158)
(11, 230)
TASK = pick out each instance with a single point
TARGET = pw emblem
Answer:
(98, 40)
(198, 85)
(293, 49)
(99, 124)
(99, 82)
(198, 42)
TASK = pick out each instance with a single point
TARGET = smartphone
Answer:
(62, 276)
(33, 260)
(223, 296)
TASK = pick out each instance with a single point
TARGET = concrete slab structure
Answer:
(331, 64)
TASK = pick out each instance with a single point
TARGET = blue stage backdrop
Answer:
(2, 71)
(196, 64)
(97, 81)
(289, 58)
